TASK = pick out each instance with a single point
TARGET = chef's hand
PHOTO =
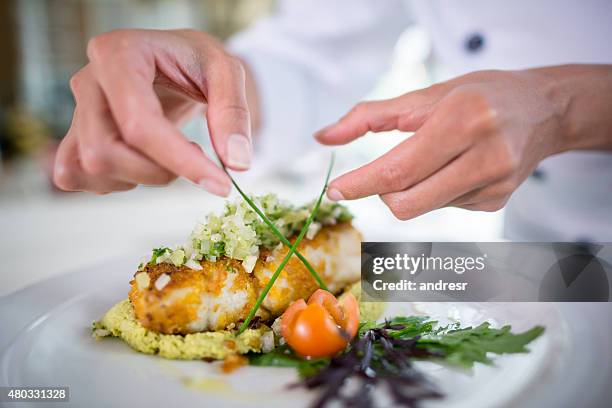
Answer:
(477, 137)
(137, 87)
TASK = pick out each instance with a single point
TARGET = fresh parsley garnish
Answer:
(464, 347)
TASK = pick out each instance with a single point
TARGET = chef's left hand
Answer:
(477, 137)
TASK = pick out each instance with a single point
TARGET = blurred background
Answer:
(44, 232)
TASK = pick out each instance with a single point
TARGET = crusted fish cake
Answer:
(179, 300)
(182, 300)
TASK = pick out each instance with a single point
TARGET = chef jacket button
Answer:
(538, 174)
(474, 43)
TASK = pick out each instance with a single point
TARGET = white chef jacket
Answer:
(314, 59)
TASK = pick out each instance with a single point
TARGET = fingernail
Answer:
(334, 194)
(215, 187)
(238, 151)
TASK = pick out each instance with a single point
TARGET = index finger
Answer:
(434, 145)
(125, 73)
(405, 112)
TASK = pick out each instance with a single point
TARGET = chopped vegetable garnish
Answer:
(247, 226)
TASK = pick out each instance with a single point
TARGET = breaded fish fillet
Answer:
(178, 300)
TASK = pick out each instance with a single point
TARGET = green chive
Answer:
(276, 232)
(292, 250)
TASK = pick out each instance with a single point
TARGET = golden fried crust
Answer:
(295, 281)
(194, 301)
(171, 309)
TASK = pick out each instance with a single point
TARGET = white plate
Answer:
(45, 340)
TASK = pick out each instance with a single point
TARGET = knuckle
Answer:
(76, 82)
(235, 66)
(379, 121)
(106, 44)
(64, 178)
(361, 108)
(436, 88)
(167, 178)
(391, 178)
(132, 130)
(239, 112)
(397, 207)
(492, 206)
(481, 116)
(505, 188)
(507, 160)
(485, 118)
(97, 46)
(228, 64)
(401, 215)
(126, 187)
(95, 161)
(161, 178)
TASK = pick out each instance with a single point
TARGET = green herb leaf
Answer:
(283, 356)
(466, 346)
(157, 252)
(402, 327)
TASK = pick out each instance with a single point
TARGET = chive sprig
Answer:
(275, 230)
(292, 247)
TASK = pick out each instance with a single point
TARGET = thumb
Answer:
(228, 114)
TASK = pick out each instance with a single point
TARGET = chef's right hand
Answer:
(131, 96)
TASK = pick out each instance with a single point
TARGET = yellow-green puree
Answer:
(121, 322)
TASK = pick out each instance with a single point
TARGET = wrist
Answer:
(580, 96)
(558, 97)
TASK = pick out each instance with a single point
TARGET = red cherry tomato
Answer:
(323, 327)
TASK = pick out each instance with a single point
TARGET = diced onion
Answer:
(313, 229)
(239, 233)
(162, 281)
(142, 280)
(267, 342)
(249, 263)
(192, 264)
(177, 257)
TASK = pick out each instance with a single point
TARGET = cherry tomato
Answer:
(322, 327)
